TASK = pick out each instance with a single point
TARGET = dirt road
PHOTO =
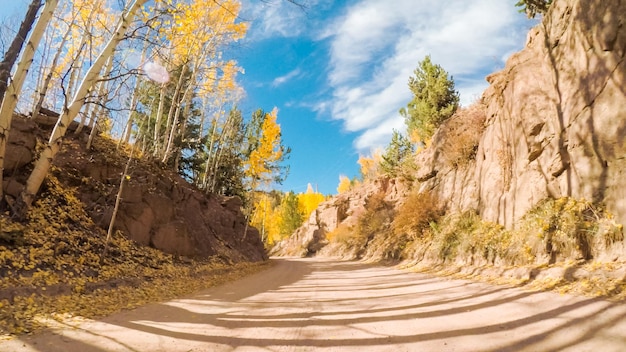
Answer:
(321, 305)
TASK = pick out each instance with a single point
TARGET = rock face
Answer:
(551, 124)
(555, 121)
(556, 115)
(344, 209)
(158, 209)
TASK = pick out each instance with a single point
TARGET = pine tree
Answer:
(396, 152)
(434, 100)
(534, 7)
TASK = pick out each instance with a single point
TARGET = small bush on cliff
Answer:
(467, 236)
(564, 228)
(396, 155)
(416, 214)
(375, 221)
(461, 134)
(534, 7)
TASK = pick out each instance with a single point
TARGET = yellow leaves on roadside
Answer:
(266, 218)
(277, 215)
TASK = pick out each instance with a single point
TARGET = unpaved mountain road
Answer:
(323, 305)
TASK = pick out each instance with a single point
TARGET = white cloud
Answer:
(278, 18)
(283, 79)
(376, 45)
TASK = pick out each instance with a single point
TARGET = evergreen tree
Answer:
(396, 152)
(229, 171)
(291, 217)
(434, 100)
(534, 7)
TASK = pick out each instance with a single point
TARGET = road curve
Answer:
(324, 305)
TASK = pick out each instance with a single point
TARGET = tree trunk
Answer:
(102, 86)
(10, 57)
(42, 165)
(9, 95)
(42, 89)
(157, 124)
(125, 137)
(170, 114)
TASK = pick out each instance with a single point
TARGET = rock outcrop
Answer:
(551, 124)
(556, 115)
(344, 209)
(158, 208)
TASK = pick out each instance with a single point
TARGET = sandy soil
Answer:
(323, 305)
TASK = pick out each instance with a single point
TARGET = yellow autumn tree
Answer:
(266, 218)
(370, 165)
(344, 184)
(308, 201)
(263, 162)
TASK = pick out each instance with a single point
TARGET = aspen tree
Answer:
(43, 163)
(9, 101)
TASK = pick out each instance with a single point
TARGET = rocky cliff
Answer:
(551, 124)
(158, 208)
(556, 115)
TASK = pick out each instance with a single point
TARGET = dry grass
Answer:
(461, 134)
(555, 230)
(416, 214)
(562, 229)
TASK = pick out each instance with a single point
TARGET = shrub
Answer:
(342, 234)
(467, 235)
(375, 220)
(416, 214)
(564, 228)
(461, 134)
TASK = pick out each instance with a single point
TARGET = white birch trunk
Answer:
(13, 90)
(42, 165)
(42, 89)
(170, 115)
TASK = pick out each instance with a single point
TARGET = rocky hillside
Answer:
(170, 238)
(158, 209)
(546, 138)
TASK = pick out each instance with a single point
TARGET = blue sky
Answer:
(337, 70)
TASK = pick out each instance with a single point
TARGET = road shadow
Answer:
(281, 308)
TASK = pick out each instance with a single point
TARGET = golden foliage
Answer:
(370, 165)
(341, 234)
(269, 151)
(199, 27)
(416, 214)
(308, 201)
(266, 218)
(53, 264)
(344, 184)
